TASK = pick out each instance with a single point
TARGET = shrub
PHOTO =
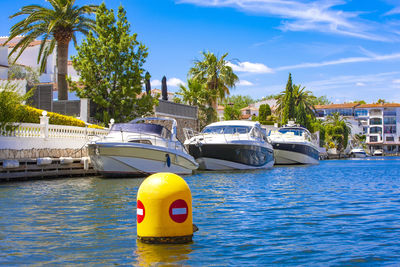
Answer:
(30, 114)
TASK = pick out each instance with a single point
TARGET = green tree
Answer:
(10, 101)
(361, 102)
(337, 131)
(286, 102)
(381, 101)
(322, 100)
(233, 104)
(111, 71)
(57, 27)
(195, 94)
(216, 75)
(304, 108)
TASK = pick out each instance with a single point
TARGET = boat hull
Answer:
(290, 153)
(138, 160)
(358, 155)
(231, 156)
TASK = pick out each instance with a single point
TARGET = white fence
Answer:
(45, 135)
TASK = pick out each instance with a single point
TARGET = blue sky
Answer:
(346, 50)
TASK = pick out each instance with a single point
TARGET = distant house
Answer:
(157, 92)
(3, 62)
(220, 112)
(248, 112)
(379, 122)
(29, 58)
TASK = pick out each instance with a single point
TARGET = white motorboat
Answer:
(141, 148)
(378, 152)
(294, 144)
(231, 145)
(358, 152)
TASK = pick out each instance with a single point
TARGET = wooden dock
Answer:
(29, 169)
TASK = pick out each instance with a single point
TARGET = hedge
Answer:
(267, 122)
(29, 114)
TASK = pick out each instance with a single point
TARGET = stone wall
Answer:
(41, 153)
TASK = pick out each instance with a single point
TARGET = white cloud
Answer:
(394, 11)
(341, 61)
(245, 83)
(250, 67)
(173, 82)
(396, 81)
(317, 15)
(360, 84)
(155, 83)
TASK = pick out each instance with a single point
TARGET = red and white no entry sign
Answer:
(140, 211)
(178, 211)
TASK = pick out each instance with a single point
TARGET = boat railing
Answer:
(154, 139)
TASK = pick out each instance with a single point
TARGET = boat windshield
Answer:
(227, 129)
(148, 128)
(298, 132)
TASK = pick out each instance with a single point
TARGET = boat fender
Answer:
(10, 164)
(43, 161)
(168, 160)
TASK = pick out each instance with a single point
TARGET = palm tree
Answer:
(338, 130)
(194, 94)
(303, 102)
(217, 76)
(55, 26)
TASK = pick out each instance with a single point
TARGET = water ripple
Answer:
(337, 213)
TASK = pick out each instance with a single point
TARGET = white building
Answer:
(379, 122)
(3, 62)
(29, 58)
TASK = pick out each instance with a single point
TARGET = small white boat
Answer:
(378, 152)
(231, 145)
(294, 144)
(139, 149)
(358, 152)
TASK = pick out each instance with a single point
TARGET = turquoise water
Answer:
(343, 212)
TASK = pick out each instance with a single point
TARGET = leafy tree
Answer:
(337, 131)
(304, 108)
(10, 102)
(110, 66)
(233, 105)
(31, 75)
(216, 76)
(381, 101)
(231, 113)
(195, 94)
(264, 112)
(322, 100)
(361, 102)
(57, 27)
(286, 102)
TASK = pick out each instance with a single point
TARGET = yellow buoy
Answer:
(164, 210)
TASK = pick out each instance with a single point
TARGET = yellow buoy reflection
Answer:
(154, 254)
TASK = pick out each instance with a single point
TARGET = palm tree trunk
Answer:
(62, 66)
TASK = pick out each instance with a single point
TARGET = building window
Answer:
(389, 120)
(389, 138)
(375, 130)
(341, 111)
(375, 112)
(365, 130)
(375, 121)
(373, 138)
(361, 113)
(390, 129)
(389, 113)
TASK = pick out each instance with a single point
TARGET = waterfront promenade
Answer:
(340, 212)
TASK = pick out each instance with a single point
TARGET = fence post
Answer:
(44, 123)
